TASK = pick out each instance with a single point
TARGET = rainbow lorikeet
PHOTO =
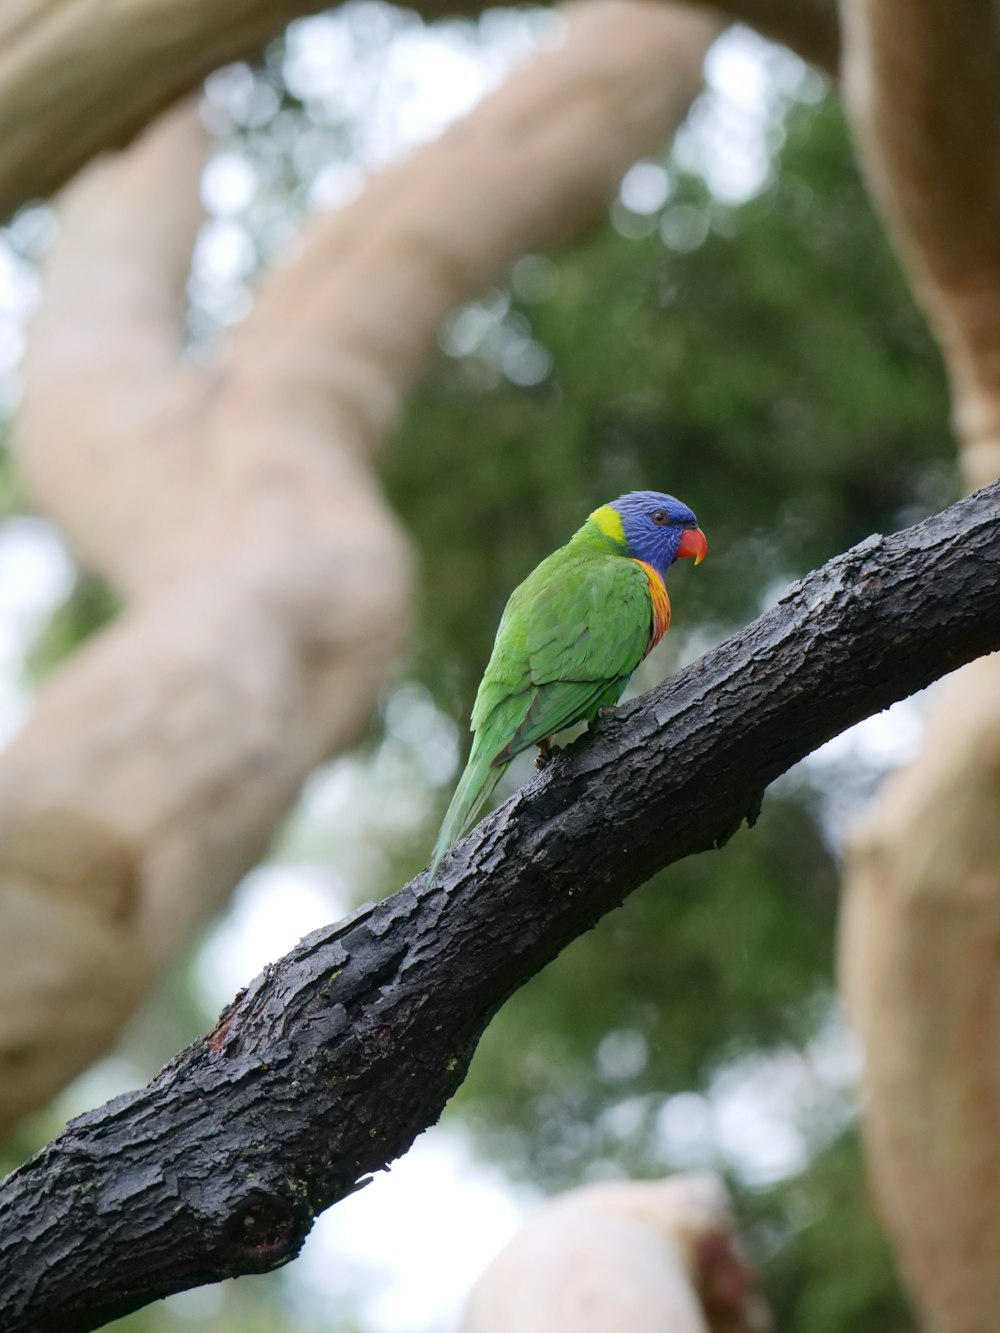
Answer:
(571, 636)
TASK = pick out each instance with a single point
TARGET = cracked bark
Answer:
(334, 1058)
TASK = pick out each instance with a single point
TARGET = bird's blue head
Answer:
(653, 527)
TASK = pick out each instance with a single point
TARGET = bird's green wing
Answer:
(570, 638)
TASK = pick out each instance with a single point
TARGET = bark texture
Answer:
(921, 921)
(232, 502)
(334, 1058)
(81, 76)
(657, 1256)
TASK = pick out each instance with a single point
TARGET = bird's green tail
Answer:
(474, 787)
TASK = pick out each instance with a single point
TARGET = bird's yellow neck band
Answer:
(608, 521)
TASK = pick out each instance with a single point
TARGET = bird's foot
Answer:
(544, 754)
(607, 711)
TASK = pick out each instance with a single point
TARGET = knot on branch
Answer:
(264, 1231)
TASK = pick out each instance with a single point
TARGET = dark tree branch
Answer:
(337, 1056)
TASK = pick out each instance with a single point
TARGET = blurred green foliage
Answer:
(7, 506)
(249, 1305)
(90, 605)
(828, 1261)
(11, 491)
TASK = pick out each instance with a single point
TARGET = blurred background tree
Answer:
(754, 350)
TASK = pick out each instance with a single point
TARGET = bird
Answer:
(569, 639)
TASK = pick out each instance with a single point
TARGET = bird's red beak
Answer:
(693, 543)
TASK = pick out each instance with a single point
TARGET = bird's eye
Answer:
(660, 517)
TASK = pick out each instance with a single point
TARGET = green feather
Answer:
(473, 790)
(569, 639)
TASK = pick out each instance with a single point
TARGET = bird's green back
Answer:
(570, 637)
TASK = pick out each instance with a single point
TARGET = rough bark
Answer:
(921, 921)
(232, 502)
(81, 76)
(334, 1058)
(656, 1256)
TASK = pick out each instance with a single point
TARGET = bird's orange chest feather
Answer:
(659, 602)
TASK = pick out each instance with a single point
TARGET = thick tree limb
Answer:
(233, 504)
(336, 1057)
(921, 920)
(921, 87)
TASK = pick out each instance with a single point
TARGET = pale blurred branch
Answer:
(233, 503)
(922, 89)
(441, 226)
(335, 1057)
(80, 76)
(102, 367)
(922, 904)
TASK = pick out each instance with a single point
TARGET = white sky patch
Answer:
(765, 1116)
(335, 185)
(19, 285)
(735, 68)
(771, 1113)
(406, 1249)
(274, 907)
(438, 78)
(107, 1078)
(401, 82)
(224, 251)
(36, 574)
(19, 295)
(228, 184)
(621, 1056)
(849, 769)
(198, 1303)
(735, 127)
(645, 187)
(887, 740)
(316, 51)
